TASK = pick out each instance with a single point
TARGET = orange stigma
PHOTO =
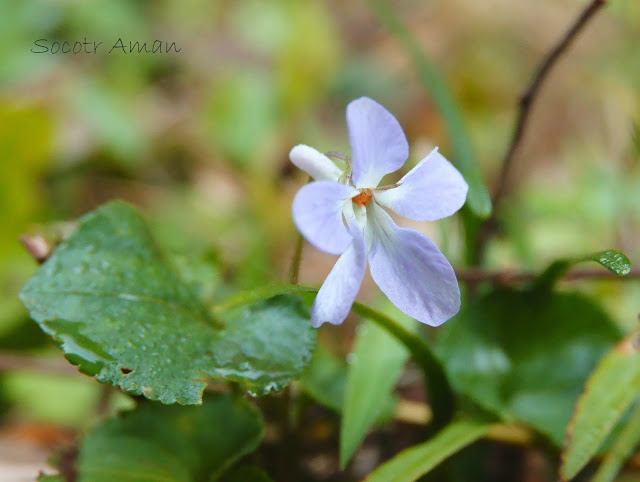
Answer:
(363, 198)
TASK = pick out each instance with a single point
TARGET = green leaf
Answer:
(266, 344)
(377, 362)
(621, 449)
(258, 294)
(412, 463)
(478, 197)
(121, 313)
(439, 391)
(156, 442)
(612, 259)
(609, 392)
(525, 355)
(325, 380)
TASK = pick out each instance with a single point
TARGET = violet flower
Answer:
(342, 213)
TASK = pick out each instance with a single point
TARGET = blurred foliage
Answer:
(175, 450)
(199, 140)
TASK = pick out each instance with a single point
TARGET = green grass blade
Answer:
(478, 198)
(416, 461)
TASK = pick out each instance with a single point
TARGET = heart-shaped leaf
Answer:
(266, 344)
(525, 355)
(121, 313)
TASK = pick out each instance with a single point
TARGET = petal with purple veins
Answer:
(339, 290)
(410, 269)
(317, 213)
(378, 144)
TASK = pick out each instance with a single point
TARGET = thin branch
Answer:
(527, 100)
(509, 276)
(530, 94)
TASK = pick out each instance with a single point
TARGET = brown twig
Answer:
(509, 276)
(526, 101)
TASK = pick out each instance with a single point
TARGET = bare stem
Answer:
(295, 263)
(297, 254)
(510, 276)
(527, 99)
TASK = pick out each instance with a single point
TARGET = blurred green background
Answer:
(199, 139)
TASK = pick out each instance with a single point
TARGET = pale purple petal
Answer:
(434, 189)
(317, 213)
(314, 163)
(378, 144)
(410, 269)
(339, 291)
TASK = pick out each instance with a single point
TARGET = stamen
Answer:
(337, 155)
(363, 198)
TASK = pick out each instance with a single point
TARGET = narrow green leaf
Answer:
(609, 391)
(412, 463)
(439, 391)
(622, 448)
(121, 313)
(438, 388)
(375, 366)
(478, 197)
(156, 442)
(325, 380)
(525, 355)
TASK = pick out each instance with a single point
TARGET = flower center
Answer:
(363, 198)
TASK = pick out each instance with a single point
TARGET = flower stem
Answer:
(438, 389)
(297, 258)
